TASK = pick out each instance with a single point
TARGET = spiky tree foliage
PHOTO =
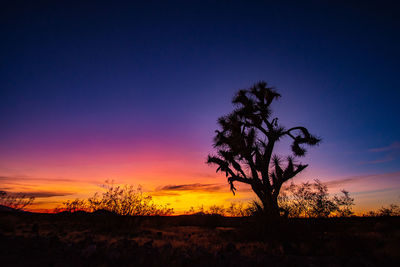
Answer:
(15, 201)
(246, 141)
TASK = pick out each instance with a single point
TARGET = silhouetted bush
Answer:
(125, 200)
(313, 200)
(238, 210)
(344, 204)
(74, 205)
(392, 210)
(234, 210)
(15, 201)
(216, 210)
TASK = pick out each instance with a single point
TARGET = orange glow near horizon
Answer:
(56, 177)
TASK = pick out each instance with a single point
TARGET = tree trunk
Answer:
(271, 208)
(269, 203)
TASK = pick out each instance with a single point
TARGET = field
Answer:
(104, 239)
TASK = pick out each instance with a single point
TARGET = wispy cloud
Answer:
(395, 146)
(38, 179)
(382, 190)
(393, 176)
(344, 181)
(387, 158)
(193, 187)
(391, 152)
(39, 194)
(30, 186)
(163, 194)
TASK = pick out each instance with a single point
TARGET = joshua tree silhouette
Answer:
(246, 142)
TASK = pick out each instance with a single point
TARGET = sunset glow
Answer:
(113, 95)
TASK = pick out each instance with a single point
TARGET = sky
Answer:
(131, 92)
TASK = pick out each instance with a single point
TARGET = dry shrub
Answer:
(392, 210)
(234, 210)
(238, 210)
(121, 200)
(15, 201)
(313, 200)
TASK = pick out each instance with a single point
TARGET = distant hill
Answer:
(9, 209)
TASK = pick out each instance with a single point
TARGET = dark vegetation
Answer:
(304, 200)
(106, 236)
(14, 201)
(106, 239)
(313, 200)
(120, 200)
(246, 142)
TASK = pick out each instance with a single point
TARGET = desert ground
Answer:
(104, 239)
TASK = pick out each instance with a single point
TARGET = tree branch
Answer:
(237, 179)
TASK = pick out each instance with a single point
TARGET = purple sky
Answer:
(87, 85)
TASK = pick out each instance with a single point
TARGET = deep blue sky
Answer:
(167, 70)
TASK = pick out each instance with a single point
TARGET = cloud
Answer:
(393, 176)
(381, 160)
(23, 185)
(194, 187)
(39, 179)
(163, 194)
(395, 146)
(382, 190)
(392, 152)
(39, 194)
(338, 182)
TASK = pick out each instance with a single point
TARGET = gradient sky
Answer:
(131, 92)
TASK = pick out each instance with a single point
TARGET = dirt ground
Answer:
(104, 239)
